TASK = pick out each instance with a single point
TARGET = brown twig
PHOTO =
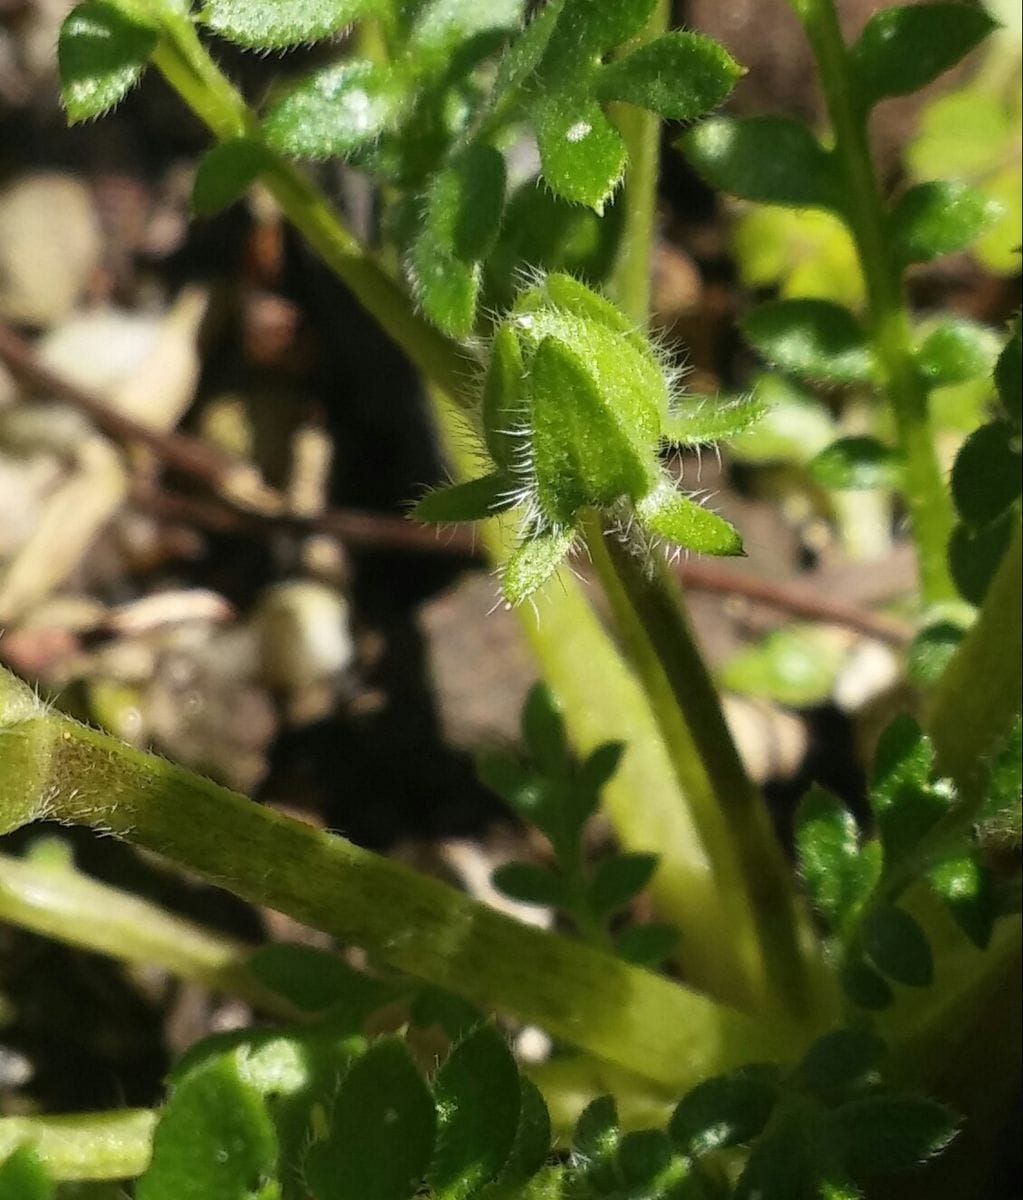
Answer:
(239, 505)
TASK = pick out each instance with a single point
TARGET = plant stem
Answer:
(189, 69)
(79, 776)
(927, 497)
(186, 66)
(60, 902)
(85, 1146)
(649, 608)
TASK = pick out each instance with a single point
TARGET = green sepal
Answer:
(257, 25)
(814, 339)
(837, 873)
(987, 476)
(669, 514)
(854, 463)
(503, 406)
(209, 1109)
(967, 888)
(336, 110)
(380, 1131)
(23, 1177)
(586, 450)
(478, 1097)
(101, 54)
(581, 152)
(896, 945)
(227, 172)
(473, 501)
(772, 160)
(904, 48)
(708, 419)
(941, 217)
(534, 562)
(679, 76)
(956, 351)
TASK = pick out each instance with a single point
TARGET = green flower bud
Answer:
(576, 405)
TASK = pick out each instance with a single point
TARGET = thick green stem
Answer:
(413, 923)
(85, 1146)
(927, 497)
(57, 901)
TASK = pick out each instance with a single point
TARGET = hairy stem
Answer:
(85, 1146)
(927, 497)
(643, 1022)
(778, 958)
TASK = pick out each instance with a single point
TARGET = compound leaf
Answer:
(967, 888)
(988, 475)
(836, 872)
(905, 803)
(903, 48)
(974, 555)
(101, 53)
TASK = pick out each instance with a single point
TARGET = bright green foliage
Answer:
(806, 253)
(957, 350)
(813, 339)
(23, 1177)
(769, 159)
(972, 135)
(102, 52)
(575, 405)
(381, 1130)
(226, 173)
(797, 666)
(902, 49)
(921, 835)
(939, 218)
(261, 26)
(215, 1140)
(558, 795)
(702, 422)
(987, 479)
(478, 1099)
(855, 462)
(336, 111)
